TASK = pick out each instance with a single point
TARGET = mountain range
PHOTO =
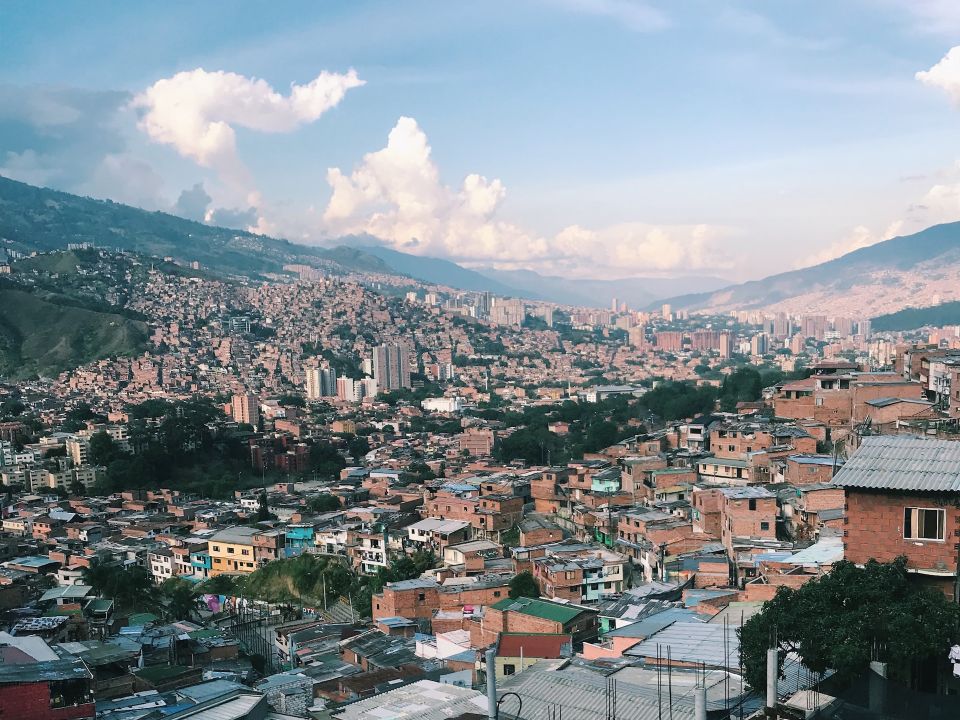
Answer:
(40, 219)
(919, 270)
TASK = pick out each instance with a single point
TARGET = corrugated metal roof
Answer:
(902, 462)
(693, 643)
(582, 695)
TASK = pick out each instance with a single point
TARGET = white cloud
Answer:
(197, 111)
(633, 14)
(859, 237)
(395, 194)
(945, 75)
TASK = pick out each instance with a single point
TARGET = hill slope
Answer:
(444, 272)
(44, 333)
(636, 292)
(40, 219)
(919, 269)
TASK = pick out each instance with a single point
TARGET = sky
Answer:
(589, 138)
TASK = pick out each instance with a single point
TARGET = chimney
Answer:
(700, 703)
(773, 667)
(492, 682)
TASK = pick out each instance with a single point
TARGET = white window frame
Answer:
(914, 523)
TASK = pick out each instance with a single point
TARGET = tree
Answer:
(358, 446)
(524, 585)
(836, 620)
(220, 585)
(181, 598)
(131, 588)
(77, 487)
(263, 510)
(102, 450)
(327, 502)
(326, 460)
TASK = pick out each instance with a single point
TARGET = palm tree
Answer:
(181, 596)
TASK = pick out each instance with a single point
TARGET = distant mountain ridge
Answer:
(593, 292)
(41, 219)
(919, 270)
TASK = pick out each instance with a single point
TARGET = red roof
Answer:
(536, 646)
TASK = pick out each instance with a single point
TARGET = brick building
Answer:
(747, 512)
(902, 498)
(809, 469)
(49, 690)
(527, 615)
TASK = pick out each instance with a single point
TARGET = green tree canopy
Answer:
(326, 502)
(833, 622)
(102, 449)
(524, 585)
(181, 598)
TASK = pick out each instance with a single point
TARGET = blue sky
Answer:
(603, 137)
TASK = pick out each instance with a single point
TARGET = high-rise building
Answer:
(759, 344)
(391, 367)
(614, 305)
(781, 326)
(665, 312)
(726, 345)
(321, 382)
(245, 409)
(705, 340)
(635, 336)
(670, 341)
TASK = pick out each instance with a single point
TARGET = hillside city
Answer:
(526, 360)
(338, 494)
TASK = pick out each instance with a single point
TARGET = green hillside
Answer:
(913, 318)
(40, 219)
(45, 333)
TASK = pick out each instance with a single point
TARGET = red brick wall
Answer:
(874, 529)
(738, 520)
(540, 536)
(826, 499)
(32, 700)
(406, 603)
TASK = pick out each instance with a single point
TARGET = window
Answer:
(753, 504)
(764, 526)
(244, 552)
(570, 574)
(216, 548)
(923, 523)
(230, 550)
(496, 593)
(509, 669)
(421, 596)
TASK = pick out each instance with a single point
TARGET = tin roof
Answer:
(902, 462)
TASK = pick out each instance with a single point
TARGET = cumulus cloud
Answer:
(236, 218)
(192, 203)
(945, 75)
(396, 194)
(859, 237)
(197, 111)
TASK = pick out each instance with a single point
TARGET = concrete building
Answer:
(391, 367)
(244, 409)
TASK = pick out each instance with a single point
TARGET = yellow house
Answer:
(231, 551)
